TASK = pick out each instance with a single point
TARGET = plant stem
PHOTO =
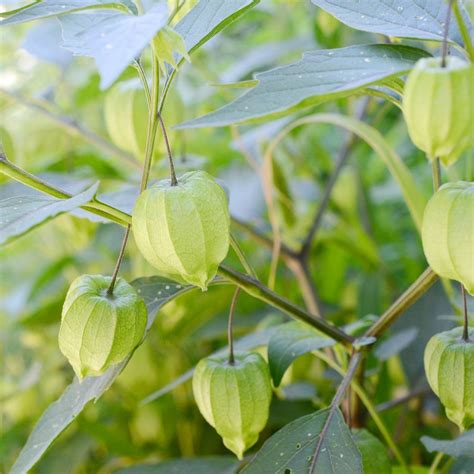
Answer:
(258, 290)
(464, 31)
(110, 289)
(69, 124)
(95, 206)
(444, 49)
(241, 256)
(173, 179)
(336, 401)
(412, 294)
(465, 334)
(230, 334)
(435, 463)
(436, 172)
(340, 162)
(370, 408)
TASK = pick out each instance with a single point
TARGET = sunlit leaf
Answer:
(22, 213)
(48, 8)
(113, 39)
(317, 77)
(418, 19)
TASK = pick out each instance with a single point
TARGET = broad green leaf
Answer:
(113, 39)
(48, 8)
(291, 449)
(318, 76)
(156, 292)
(22, 213)
(204, 465)
(290, 341)
(418, 19)
(166, 42)
(251, 341)
(209, 17)
(461, 446)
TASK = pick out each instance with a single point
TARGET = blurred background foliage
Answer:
(366, 253)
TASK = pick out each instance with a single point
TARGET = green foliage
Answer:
(326, 206)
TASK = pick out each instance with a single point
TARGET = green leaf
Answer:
(48, 8)
(290, 341)
(166, 42)
(401, 18)
(291, 449)
(251, 341)
(209, 17)
(156, 292)
(205, 465)
(318, 76)
(20, 214)
(461, 446)
(113, 39)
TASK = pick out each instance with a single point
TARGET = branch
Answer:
(75, 129)
(249, 285)
(95, 206)
(336, 401)
(340, 162)
(261, 292)
(412, 294)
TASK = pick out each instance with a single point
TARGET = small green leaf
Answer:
(290, 341)
(113, 39)
(49, 8)
(156, 292)
(291, 449)
(461, 446)
(20, 214)
(166, 42)
(209, 17)
(320, 75)
(399, 18)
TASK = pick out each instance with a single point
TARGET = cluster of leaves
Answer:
(365, 252)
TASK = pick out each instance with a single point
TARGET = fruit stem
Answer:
(465, 334)
(110, 289)
(444, 50)
(436, 172)
(174, 180)
(230, 335)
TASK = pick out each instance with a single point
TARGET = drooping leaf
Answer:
(20, 214)
(113, 39)
(418, 19)
(156, 292)
(290, 341)
(251, 341)
(291, 449)
(49, 8)
(318, 76)
(205, 465)
(209, 17)
(461, 446)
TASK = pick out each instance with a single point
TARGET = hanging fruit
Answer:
(234, 398)
(183, 230)
(97, 329)
(438, 105)
(449, 367)
(448, 233)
